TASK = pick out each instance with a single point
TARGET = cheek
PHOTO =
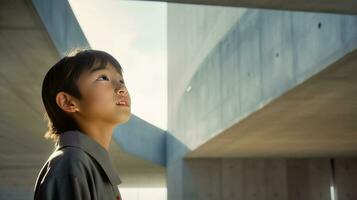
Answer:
(100, 97)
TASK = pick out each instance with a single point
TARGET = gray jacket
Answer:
(79, 168)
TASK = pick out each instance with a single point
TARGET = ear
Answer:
(66, 102)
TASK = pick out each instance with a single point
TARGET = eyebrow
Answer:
(97, 69)
(101, 68)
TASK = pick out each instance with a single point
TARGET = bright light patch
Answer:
(332, 190)
(143, 193)
(134, 32)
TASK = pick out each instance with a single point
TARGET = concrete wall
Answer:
(193, 32)
(226, 63)
(268, 179)
(264, 54)
(346, 178)
(15, 193)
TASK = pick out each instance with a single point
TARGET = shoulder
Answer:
(67, 172)
(64, 169)
(68, 161)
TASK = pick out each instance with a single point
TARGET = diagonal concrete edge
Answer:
(142, 139)
(61, 24)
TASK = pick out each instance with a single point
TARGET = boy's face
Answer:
(103, 93)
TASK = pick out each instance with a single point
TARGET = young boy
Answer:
(85, 98)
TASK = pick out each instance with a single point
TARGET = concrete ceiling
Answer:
(26, 53)
(333, 6)
(315, 119)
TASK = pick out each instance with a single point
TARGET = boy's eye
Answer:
(102, 76)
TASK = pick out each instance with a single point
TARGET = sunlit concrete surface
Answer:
(261, 55)
(316, 119)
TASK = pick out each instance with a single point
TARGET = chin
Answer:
(123, 119)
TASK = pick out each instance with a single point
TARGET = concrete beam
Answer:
(142, 139)
(61, 24)
(263, 56)
(332, 6)
(316, 118)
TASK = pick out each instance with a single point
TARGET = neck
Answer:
(102, 134)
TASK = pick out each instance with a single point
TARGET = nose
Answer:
(121, 89)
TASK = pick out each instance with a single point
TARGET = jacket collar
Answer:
(76, 138)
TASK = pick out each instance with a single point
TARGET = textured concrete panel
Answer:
(175, 173)
(346, 178)
(202, 179)
(255, 179)
(15, 193)
(275, 51)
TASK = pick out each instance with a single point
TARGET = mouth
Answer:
(122, 102)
